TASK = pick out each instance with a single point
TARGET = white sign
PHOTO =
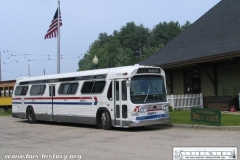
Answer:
(195, 153)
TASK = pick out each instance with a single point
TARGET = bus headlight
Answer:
(165, 107)
(142, 109)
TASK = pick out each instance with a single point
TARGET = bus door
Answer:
(120, 102)
(51, 100)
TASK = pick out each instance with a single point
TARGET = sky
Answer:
(24, 23)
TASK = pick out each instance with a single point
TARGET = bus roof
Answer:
(117, 72)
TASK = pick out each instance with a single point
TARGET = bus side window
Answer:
(72, 89)
(98, 86)
(117, 90)
(21, 90)
(68, 88)
(124, 91)
(18, 90)
(37, 89)
(87, 87)
(93, 87)
(109, 93)
(24, 90)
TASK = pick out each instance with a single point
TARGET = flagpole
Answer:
(58, 40)
(0, 67)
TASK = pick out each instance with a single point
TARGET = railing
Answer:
(185, 101)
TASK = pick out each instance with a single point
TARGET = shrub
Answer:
(170, 108)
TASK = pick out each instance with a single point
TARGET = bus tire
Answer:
(31, 115)
(106, 122)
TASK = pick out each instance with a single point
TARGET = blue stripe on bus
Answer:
(61, 103)
(16, 102)
(152, 117)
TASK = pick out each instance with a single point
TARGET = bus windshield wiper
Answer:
(147, 92)
(159, 92)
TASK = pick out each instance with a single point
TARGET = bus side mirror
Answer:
(128, 83)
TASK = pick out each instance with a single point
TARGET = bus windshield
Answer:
(147, 89)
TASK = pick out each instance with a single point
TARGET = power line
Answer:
(27, 57)
(35, 60)
(13, 57)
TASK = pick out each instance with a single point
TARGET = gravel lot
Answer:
(60, 140)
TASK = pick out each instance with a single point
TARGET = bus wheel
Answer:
(106, 120)
(31, 115)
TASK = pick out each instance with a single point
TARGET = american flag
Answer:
(53, 28)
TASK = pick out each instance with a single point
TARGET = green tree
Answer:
(84, 64)
(162, 33)
(185, 26)
(147, 52)
(124, 57)
(104, 48)
(133, 37)
(131, 44)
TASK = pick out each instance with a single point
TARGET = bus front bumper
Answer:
(139, 123)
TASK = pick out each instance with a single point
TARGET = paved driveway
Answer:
(73, 141)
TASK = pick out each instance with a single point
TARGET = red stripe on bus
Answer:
(16, 98)
(43, 98)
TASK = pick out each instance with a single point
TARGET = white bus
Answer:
(126, 97)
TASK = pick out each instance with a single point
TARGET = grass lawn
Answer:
(5, 113)
(183, 117)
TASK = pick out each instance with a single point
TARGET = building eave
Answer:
(226, 56)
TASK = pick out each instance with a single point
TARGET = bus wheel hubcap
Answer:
(103, 119)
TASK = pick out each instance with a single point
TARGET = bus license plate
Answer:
(151, 113)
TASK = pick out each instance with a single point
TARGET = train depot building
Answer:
(205, 57)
